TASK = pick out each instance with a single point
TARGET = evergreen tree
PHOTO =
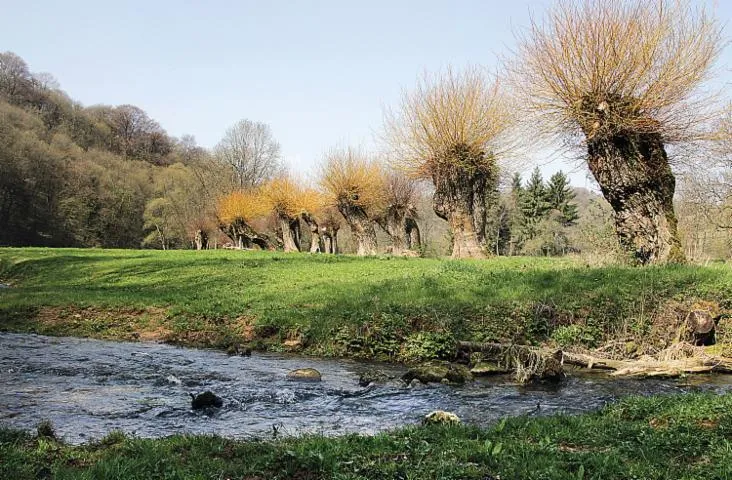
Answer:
(559, 196)
(515, 216)
(494, 220)
(534, 204)
(516, 184)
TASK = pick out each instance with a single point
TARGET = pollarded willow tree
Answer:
(454, 129)
(354, 184)
(625, 77)
(235, 212)
(398, 216)
(312, 212)
(329, 220)
(283, 197)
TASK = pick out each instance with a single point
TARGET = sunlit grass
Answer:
(317, 294)
(682, 436)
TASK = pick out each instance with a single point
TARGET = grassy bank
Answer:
(680, 437)
(404, 309)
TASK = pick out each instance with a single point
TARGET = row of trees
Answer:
(622, 81)
(621, 78)
(353, 187)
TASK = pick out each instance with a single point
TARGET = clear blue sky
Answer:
(318, 72)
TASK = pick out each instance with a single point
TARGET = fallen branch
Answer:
(695, 359)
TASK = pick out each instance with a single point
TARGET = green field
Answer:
(382, 307)
(664, 437)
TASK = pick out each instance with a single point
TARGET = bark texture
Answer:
(290, 233)
(315, 240)
(244, 236)
(201, 240)
(330, 239)
(361, 227)
(413, 235)
(401, 226)
(461, 188)
(635, 177)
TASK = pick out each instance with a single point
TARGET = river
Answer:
(88, 388)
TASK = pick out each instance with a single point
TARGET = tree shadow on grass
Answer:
(604, 295)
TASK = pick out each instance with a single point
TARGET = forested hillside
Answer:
(91, 176)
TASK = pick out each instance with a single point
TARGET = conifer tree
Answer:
(515, 219)
(559, 196)
(534, 204)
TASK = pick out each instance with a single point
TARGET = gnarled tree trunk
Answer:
(244, 236)
(361, 227)
(315, 241)
(327, 243)
(330, 239)
(394, 224)
(413, 236)
(460, 198)
(201, 240)
(290, 233)
(402, 230)
(635, 177)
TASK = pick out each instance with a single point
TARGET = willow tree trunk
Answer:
(460, 198)
(201, 240)
(315, 241)
(330, 236)
(393, 222)
(361, 227)
(244, 236)
(635, 177)
(290, 233)
(330, 240)
(413, 236)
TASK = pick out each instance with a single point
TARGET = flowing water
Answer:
(88, 388)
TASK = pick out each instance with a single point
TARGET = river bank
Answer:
(660, 437)
(383, 308)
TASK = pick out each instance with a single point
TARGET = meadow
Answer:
(377, 307)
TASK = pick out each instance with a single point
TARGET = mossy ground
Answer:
(679, 437)
(383, 307)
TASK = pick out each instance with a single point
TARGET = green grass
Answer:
(340, 305)
(664, 437)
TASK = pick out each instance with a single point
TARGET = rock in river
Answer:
(304, 375)
(241, 350)
(372, 376)
(436, 372)
(440, 417)
(205, 400)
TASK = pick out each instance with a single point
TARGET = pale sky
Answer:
(318, 72)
